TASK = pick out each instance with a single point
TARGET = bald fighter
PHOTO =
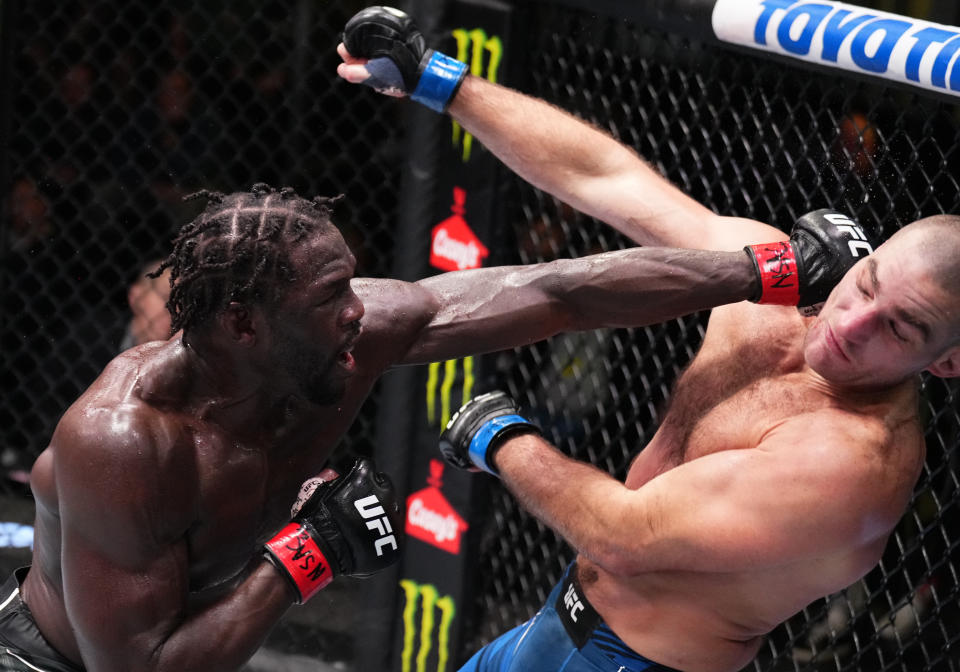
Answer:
(792, 444)
(165, 539)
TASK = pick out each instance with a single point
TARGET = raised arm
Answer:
(587, 168)
(553, 150)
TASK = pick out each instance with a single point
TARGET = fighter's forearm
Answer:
(580, 164)
(544, 144)
(224, 635)
(643, 286)
(580, 502)
(503, 307)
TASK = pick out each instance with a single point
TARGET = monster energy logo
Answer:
(478, 44)
(446, 388)
(426, 597)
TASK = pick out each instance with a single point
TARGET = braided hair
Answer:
(238, 249)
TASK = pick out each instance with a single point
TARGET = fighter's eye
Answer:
(896, 331)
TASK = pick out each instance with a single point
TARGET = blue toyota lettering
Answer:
(872, 38)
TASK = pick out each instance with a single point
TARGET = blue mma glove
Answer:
(478, 429)
(399, 61)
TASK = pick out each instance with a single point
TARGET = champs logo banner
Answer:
(431, 519)
(453, 245)
(845, 36)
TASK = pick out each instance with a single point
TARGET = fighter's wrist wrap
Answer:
(351, 525)
(440, 79)
(298, 556)
(776, 266)
(490, 437)
(477, 431)
(399, 61)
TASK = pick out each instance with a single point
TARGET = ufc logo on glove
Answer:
(369, 507)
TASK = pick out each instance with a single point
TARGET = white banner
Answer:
(845, 36)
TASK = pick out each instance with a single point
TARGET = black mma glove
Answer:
(351, 525)
(801, 272)
(477, 430)
(400, 63)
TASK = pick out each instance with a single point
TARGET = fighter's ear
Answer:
(239, 324)
(947, 365)
(135, 296)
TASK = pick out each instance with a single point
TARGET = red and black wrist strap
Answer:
(776, 264)
(298, 557)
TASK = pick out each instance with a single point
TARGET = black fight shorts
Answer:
(22, 647)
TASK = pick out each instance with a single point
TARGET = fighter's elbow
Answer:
(619, 558)
(632, 540)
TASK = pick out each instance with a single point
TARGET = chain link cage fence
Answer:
(750, 137)
(114, 111)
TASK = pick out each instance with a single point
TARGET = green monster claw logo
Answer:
(477, 42)
(425, 596)
(449, 378)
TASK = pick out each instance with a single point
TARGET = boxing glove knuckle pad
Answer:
(823, 245)
(351, 525)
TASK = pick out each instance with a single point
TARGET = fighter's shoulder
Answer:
(858, 461)
(394, 307)
(837, 436)
(120, 429)
(767, 331)
(392, 296)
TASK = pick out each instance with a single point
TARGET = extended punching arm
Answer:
(490, 309)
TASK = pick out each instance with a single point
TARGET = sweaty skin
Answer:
(163, 480)
(762, 490)
(791, 446)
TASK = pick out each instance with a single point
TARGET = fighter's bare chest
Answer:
(728, 404)
(245, 496)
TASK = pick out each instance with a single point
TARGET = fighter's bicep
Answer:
(119, 475)
(123, 524)
(754, 508)
(489, 309)
(148, 586)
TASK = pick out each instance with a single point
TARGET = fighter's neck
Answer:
(209, 388)
(902, 393)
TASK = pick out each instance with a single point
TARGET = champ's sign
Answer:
(845, 36)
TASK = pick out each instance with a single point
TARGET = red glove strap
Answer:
(298, 553)
(778, 273)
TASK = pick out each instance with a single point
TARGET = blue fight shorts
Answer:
(566, 635)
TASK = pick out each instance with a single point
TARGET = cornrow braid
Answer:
(238, 249)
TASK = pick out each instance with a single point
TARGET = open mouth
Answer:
(346, 360)
(345, 356)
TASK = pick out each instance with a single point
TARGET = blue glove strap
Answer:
(439, 81)
(481, 440)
